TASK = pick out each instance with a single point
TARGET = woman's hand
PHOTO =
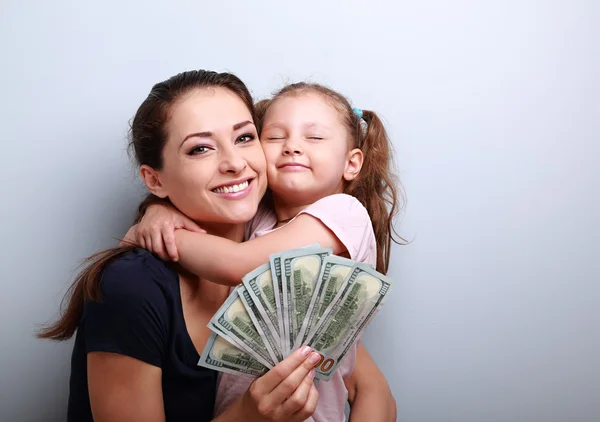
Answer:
(156, 231)
(286, 393)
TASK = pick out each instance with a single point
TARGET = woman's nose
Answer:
(232, 162)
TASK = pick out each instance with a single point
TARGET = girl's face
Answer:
(307, 149)
(213, 164)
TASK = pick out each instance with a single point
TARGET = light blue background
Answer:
(494, 111)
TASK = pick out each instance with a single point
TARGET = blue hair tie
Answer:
(358, 112)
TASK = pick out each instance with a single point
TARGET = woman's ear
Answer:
(152, 180)
(353, 164)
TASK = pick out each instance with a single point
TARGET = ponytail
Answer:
(86, 285)
(376, 186)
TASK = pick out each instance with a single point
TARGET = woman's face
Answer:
(214, 168)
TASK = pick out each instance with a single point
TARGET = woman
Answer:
(140, 323)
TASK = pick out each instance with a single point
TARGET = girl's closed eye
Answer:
(275, 137)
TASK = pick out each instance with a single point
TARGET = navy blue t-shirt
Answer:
(141, 316)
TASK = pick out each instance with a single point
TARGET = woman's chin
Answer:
(238, 216)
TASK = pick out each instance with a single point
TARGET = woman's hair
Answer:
(376, 186)
(148, 136)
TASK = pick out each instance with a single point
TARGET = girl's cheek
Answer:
(270, 162)
(269, 174)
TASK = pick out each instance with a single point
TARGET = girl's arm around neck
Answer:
(224, 261)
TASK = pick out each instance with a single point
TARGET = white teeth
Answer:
(232, 189)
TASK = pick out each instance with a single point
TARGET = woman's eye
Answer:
(199, 149)
(315, 137)
(245, 138)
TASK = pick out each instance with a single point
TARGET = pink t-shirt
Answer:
(346, 217)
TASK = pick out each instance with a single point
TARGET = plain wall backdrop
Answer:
(494, 111)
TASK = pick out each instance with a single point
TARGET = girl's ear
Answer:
(353, 164)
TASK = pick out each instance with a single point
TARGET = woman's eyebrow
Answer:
(241, 124)
(209, 134)
(197, 134)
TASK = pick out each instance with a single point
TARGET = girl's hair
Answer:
(148, 136)
(376, 186)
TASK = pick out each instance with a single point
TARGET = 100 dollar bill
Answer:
(221, 355)
(259, 284)
(233, 319)
(277, 276)
(275, 264)
(300, 272)
(260, 323)
(334, 271)
(362, 294)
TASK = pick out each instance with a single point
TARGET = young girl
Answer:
(330, 181)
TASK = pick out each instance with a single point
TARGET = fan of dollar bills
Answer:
(303, 296)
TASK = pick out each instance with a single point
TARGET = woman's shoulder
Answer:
(139, 274)
(134, 313)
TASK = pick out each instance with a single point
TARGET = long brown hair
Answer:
(148, 136)
(377, 186)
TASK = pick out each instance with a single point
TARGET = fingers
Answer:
(141, 241)
(298, 399)
(158, 246)
(130, 237)
(168, 235)
(147, 243)
(309, 406)
(287, 387)
(152, 241)
(191, 226)
(157, 228)
(267, 383)
(291, 385)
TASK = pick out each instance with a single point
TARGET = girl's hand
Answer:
(284, 394)
(156, 231)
